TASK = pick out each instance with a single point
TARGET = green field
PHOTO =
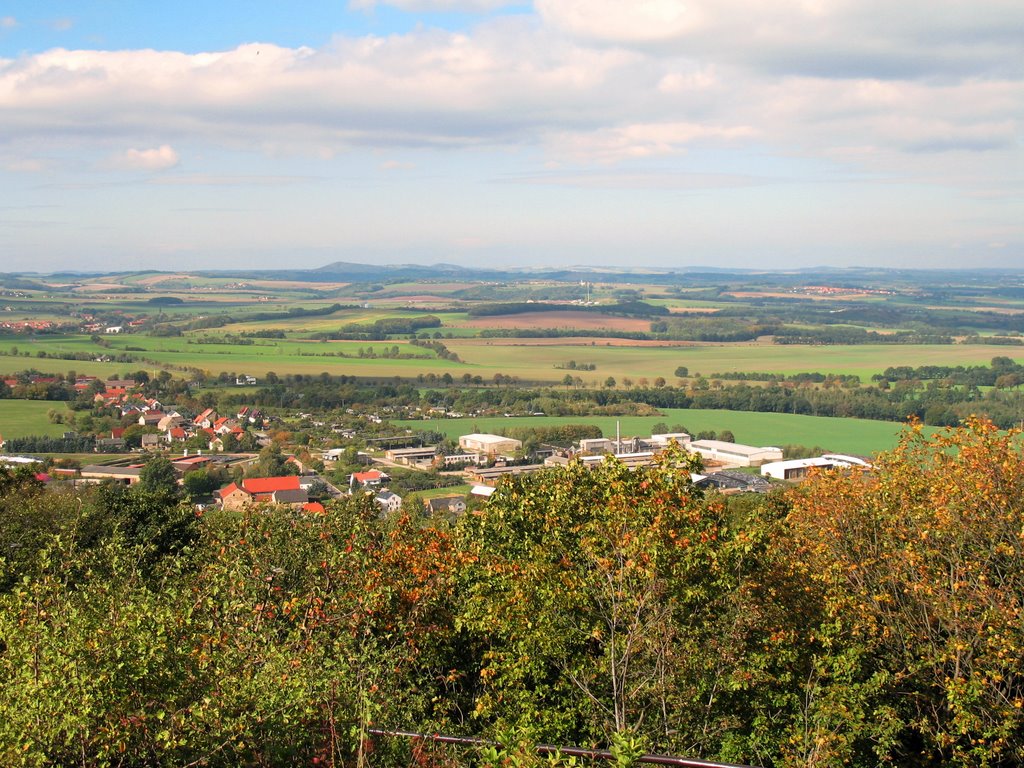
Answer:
(857, 436)
(19, 418)
(528, 361)
(536, 362)
(451, 490)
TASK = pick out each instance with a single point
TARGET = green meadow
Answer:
(19, 418)
(530, 362)
(857, 436)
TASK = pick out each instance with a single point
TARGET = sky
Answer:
(661, 133)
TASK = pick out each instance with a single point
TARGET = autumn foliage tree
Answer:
(591, 590)
(921, 572)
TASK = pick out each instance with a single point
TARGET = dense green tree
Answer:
(159, 477)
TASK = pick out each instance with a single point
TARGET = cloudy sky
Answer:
(202, 134)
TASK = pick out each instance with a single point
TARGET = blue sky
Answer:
(645, 133)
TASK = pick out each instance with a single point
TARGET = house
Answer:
(151, 442)
(110, 444)
(263, 490)
(224, 425)
(372, 478)
(206, 419)
(176, 435)
(441, 504)
(151, 418)
(242, 381)
(389, 502)
(169, 421)
(114, 329)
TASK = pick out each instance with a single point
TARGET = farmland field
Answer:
(857, 436)
(531, 360)
(560, 319)
(19, 418)
(536, 361)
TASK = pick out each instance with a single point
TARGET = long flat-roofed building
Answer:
(411, 455)
(797, 469)
(734, 454)
(491, 445)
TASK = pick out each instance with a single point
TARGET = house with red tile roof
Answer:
(206, 418)
(369, 479)
(263, 490)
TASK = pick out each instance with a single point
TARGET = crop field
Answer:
(116, 298)
(535, 362)
(19, 418)
(317, 324)
(560, 319)
(857, 436)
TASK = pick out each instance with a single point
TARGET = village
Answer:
(226, 448)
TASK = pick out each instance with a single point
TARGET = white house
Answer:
(389, 502)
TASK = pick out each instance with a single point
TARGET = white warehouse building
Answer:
(734, 454)
(491, 445)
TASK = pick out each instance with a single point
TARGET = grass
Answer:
(529, 360)
(20, 418)
(857, 436)
(451, 490)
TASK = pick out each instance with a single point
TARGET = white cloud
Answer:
(812, 78)
(624, 21)
(641, 140)
(157, 159)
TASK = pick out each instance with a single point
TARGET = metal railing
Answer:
(548, 749)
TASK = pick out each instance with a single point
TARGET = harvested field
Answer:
(154, 279)
(585, 341)
(582, 320)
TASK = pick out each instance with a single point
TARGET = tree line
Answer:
(855, 620)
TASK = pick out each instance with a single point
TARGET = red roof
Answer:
(262, 488)
(369, 476)
(313, 506)
(192, 460)
(208, 413)
(228, 490)
(271, 484)
(177, 433)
